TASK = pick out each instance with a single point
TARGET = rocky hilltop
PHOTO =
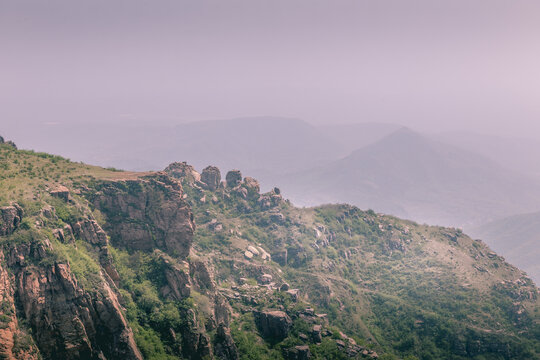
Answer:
(104, 264)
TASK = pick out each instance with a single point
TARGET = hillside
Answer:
(518, 238)
(104, 264)
(412, 176)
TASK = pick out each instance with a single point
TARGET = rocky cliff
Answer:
(104, 264)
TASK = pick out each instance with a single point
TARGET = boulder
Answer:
(183, 171)
(211, 177)
(233, 178)
(274, 325)
(61, 192)
(299, 352)
(252, 184)
(10, 219)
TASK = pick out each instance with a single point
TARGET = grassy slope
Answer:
(408, 289)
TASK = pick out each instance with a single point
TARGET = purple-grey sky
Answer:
(432, 65)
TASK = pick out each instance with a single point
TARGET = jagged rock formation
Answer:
(185, 171)
(211, 177)
(10, 218)
(146, 214)
(233, 178)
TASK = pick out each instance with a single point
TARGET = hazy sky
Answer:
(453, 64)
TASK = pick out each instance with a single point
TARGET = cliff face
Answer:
(146, 214)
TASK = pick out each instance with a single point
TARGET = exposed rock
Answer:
(146, 214)
(67, 322)
(265, 279)
(48, 212)
(10, 219)
(178, 281)
(211, 177)
(253, 250)
(9, 328)
(273, 325)
(224, 346)
(202, 275)
(252, 184)
(91, 232)
(248, 255)
(316, 333)
(183, 171)
(196, 343)
(60, 192)
(233, 178)
(299, 352)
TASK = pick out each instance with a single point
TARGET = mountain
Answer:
(518, 154)
(518, 238)
(355, 136)
(104, 264)
(412, 176)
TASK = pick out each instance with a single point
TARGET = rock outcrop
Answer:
(224, 345)
(67, 321)
(274, 325)
(233, 178)
(211, 177)
(184, 171)
(10, 218)
(146, 214)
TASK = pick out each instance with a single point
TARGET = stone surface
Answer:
(146, 214)
(233, 178)
(60, 192)
(183, 171)
(273, 325)
(224, 344)
(211, 177)
(10, 219)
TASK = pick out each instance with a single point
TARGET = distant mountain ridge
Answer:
(517, 237)
(410, 175)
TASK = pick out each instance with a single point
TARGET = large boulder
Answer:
(233, 178)
(274, 325)
(211, 177)
(10, 218)
(183, 171)
(61, 192)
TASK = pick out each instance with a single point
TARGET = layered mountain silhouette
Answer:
(410, 175)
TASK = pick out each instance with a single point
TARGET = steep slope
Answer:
(402, 288)
(518, 238)
(102, 264)
(409, 175)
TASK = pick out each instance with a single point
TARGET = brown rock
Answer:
(225, 347)
(252, 184)
(146, 214)
(10, 219)
(211, 177)
(61, 192)
(183, 171)
(233, 178)
(273, 324)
